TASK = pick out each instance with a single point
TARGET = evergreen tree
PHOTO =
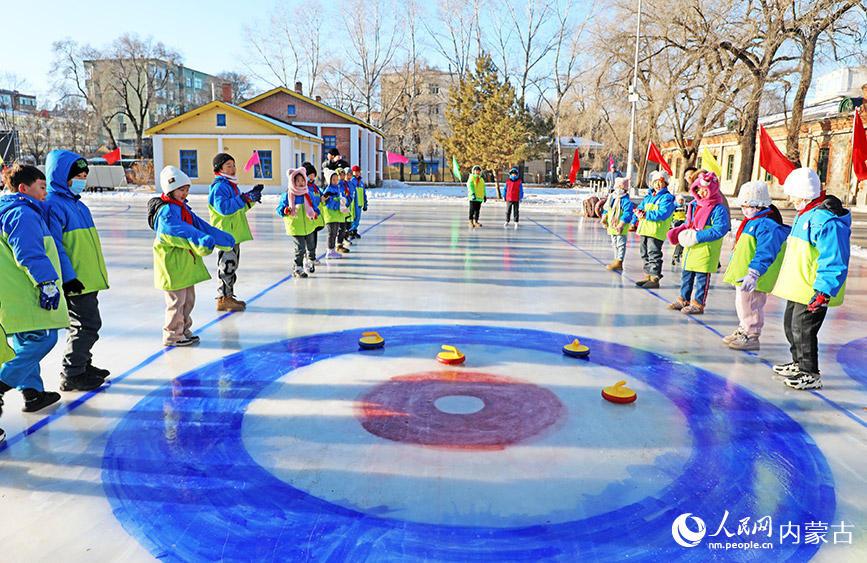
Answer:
(489, 125)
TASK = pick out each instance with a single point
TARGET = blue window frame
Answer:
(263, 169)
(303, 157)
(190, 163)
(430, 167)
(221, 120)
(290, 109)
(328, 142)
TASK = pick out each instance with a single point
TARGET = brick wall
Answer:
(276, 106)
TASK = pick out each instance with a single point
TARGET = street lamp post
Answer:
(633, 97)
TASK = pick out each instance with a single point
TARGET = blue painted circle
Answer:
(180, 481)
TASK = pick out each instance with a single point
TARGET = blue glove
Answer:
(749, 281)
(49, 296)
(819, 302)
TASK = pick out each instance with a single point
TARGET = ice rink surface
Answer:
(277, 439)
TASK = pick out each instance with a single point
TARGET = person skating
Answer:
(82, 266)
(300, 215)
(359, 201)
(476, 195)
(617, 214)
(514, 195)
(228, 207)
(182, 239)
(813, 274)
(33, 308)
(707, 222)
(654, 213)
(755, 263)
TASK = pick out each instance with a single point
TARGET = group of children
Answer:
(806, 264)
(53, 269)
(477, 195)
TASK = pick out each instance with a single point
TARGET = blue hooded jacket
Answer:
(72, 227)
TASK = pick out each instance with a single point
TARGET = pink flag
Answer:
(254, 160)
(610, 162)
(396, 158)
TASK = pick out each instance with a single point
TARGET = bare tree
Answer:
(241, 85)
(36, 135)
(533, 45)
(453, 30)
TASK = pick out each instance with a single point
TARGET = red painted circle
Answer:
(402, 410)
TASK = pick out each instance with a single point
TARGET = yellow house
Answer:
(191, 140)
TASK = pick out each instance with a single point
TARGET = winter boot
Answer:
(355, 232)
(472, 223)
(238, 301)
(478, 224)
(342, 249)
(616, 266)
(694, 308)
(640, 283)
(37, 400)
(678, 305)
(83, 382)
(652, 283)
(228, 304)
(745, 342)
(733, 336)
(804, 380)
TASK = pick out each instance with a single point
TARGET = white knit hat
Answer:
(754, 194)
(803, 183)
(172, 178)
(657, 175)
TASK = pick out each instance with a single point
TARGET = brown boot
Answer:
(227, 304)
(472, 223)
(236, 300)
(678, 305)
(640, 283)
(616, 266)
(478, 224)
(652, 283)
(694, 308)
(342, 249)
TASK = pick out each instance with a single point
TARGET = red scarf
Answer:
(745, 221)
(815, 203)
(186, 216)
(315, 188)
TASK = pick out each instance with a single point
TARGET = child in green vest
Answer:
(677, 219)
(476, 195)
(617, 214)
(33, 304)
(654, 211)
(300, 215)
(707, 222)
(755, 263)
(813, 274)
(182, 239)
(334, 210)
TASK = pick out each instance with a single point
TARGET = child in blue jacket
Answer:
(755, 263)
(82, 265)
(182, 239)
(33, 305)
(617, 214)
(300, 214)
(813, 274)
(359, 199)
(316, 196)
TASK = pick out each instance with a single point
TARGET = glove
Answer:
(364, 208)
(687, 238)
(819, 302)
(254, 195)
(49, 296)
(749, 281)
(73, 286)
(485, 200)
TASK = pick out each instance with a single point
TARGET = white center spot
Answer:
(459, 404)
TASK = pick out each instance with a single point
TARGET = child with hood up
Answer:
(707, 222)
(813, 274)
(755, 263)
(300, 214)
(82, 265)
(348, 193)
(316, 197)
(182, 239)
(359, 201)
(617, 214)
(334, 211)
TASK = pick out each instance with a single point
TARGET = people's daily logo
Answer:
(683, 535)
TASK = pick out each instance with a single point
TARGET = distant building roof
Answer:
(579, 143)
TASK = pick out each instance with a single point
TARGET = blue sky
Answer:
(209, 35)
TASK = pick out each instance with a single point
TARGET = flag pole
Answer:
(633, 97)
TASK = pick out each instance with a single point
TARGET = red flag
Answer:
(771, 159)
(859, 149)
(393, 158)
(654, 155)
(112, 157)
(254, 160)
(576, 166)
